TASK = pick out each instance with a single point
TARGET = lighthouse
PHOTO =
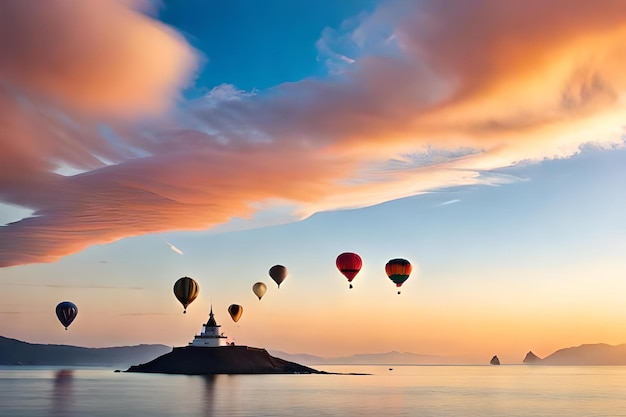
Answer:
(210, 335)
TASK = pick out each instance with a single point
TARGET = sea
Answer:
(390, 390)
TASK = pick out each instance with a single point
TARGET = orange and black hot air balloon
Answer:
(349, 264)
(186, 290)
(398, 270)
(235, 311)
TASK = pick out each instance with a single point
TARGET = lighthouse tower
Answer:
(210, 335)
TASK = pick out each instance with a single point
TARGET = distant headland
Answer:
(584, 355)
(17, 352)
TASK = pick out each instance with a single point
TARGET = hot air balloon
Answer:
(259, 289)
(398, 270)
(349, 264)
(235, 311)
(278, 274)
(186, 290)
(66, 313)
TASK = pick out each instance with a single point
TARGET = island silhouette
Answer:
(193, 360)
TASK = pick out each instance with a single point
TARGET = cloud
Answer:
(173, 248)
(143, 314)
(446, 203)
(95, 55)
(434, 94)
(99, 287)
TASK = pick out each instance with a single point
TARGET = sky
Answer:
(143, 141)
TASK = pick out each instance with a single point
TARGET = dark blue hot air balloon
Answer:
(66, 313)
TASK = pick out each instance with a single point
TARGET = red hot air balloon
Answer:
(398, 270)
(278, 274)
(349, 264)
(66, 313)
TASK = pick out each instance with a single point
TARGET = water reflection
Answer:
(209, 395)
(450, 391)
(62, 393)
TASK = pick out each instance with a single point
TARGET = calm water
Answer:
(485, 391)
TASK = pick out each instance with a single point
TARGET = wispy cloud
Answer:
(144, 314)
(173, 248)
(100, 287)
(442, 92)
(446, 203)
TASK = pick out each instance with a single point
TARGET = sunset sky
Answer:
(483, 141)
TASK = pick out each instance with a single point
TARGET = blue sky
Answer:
(257, 45)
(248, 134)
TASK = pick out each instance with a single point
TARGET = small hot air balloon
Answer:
(259, 289)
(186, 290)
(349, 264)
(278, 274)
(66, 313)
(235, 311)
(398, 270)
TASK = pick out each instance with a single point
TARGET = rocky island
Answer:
(211, 353)
(531, 358)
(193, 360)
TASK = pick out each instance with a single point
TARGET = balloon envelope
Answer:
(66, 313)
(278, 274)
(235, 311)
(349, 264)
(186, 290)
(398, 270)
(259, 289)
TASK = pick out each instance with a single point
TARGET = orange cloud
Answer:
(451, 90)
(99, 56)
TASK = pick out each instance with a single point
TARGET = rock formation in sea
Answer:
(494, 361)
(531, 358)
(192, 360)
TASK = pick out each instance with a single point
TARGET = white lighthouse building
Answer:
(210, 335)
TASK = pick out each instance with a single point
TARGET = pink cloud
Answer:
(445, 90)
(99, 56)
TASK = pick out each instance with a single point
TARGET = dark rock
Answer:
(494, 361)
(531, 358)
(193, 360)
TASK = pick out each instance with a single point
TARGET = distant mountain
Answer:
(16, 352)
(387, 358)
(589, 354)
(298, 357)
